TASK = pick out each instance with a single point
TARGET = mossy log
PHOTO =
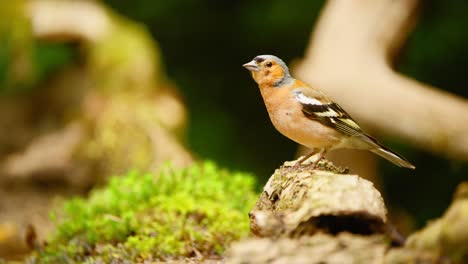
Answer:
(324, 215)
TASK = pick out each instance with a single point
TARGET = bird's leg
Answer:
(299, 162)
(321, 156)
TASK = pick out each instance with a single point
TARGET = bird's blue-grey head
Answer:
(269, 68)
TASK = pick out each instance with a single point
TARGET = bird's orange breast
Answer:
(286, 115)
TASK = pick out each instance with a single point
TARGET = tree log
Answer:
(307, 215)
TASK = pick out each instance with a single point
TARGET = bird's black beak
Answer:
(251, 66)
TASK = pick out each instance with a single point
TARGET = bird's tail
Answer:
(386, 153)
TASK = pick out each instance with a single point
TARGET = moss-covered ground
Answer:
(172, 214)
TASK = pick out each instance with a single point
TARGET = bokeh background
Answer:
(202, 46)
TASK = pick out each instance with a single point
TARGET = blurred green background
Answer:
(205, 42)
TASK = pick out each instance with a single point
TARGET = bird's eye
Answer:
(269, 64)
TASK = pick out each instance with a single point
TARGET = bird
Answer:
(308, 116)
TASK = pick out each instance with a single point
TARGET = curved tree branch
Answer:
(349, 57)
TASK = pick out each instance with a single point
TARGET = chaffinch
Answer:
(307, 116)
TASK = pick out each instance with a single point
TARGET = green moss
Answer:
(175, 213)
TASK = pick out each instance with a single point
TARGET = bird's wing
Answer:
(317, 106)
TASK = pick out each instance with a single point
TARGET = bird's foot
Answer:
(298, 163)
(302, 160)
(319, 164)
(296, 166)
(327, 165)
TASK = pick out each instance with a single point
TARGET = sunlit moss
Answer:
(172, 214)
